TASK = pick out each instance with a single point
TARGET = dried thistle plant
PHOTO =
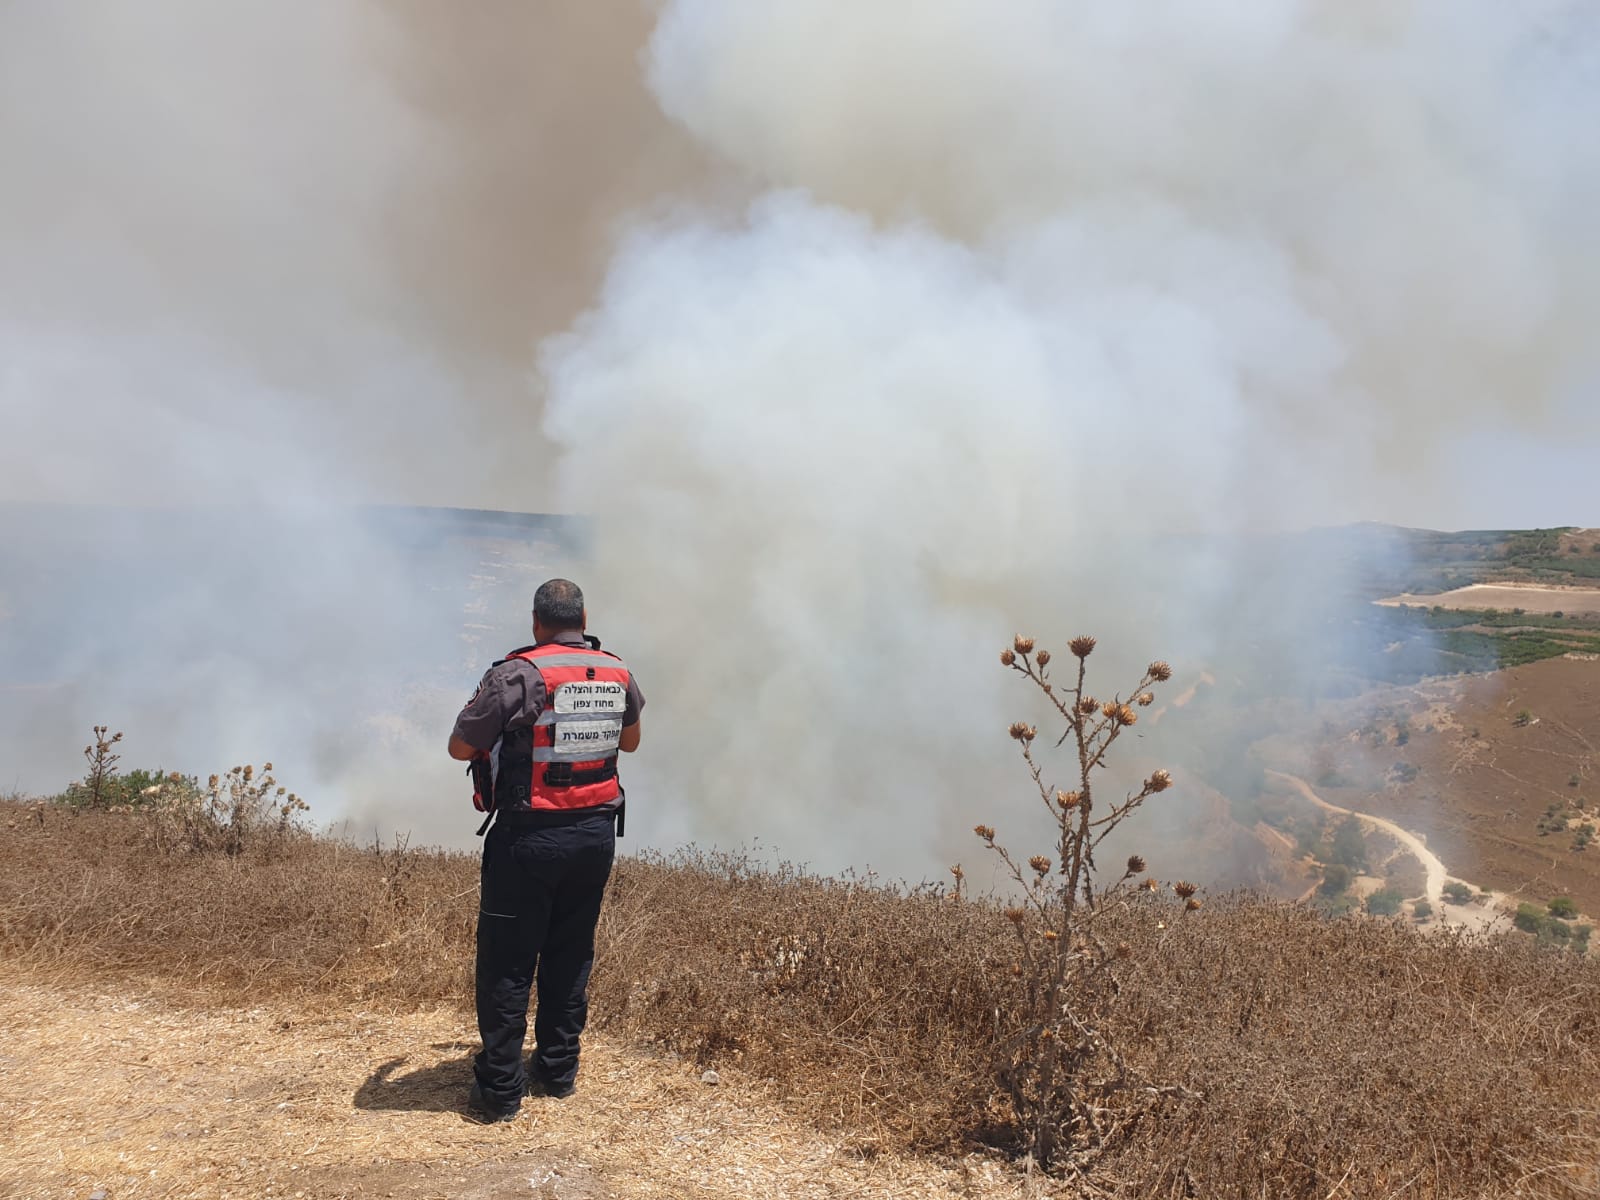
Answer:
(1072, 1092)
(102, 772)
(225, 813)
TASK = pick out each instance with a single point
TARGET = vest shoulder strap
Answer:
(510, 654)
(528, 655)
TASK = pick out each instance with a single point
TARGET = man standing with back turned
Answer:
(551, 719)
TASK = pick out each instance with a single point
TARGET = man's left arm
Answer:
(631, 728)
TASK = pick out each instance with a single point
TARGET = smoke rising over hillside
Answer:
(1017, 289)
(1030, 285)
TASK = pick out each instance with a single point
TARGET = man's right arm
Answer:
(481, 722)
(464, 751)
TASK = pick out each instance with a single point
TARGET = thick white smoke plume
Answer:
(1033, 281)
(920, 319)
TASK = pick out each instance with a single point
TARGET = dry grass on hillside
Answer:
(1484, 784)
(1346, 1058)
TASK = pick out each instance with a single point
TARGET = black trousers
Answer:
(541, 895)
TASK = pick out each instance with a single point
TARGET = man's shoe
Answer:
(487, 1113)
(555, 1091)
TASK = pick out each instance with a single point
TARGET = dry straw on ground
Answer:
(1343, 1058)
(270, 1101)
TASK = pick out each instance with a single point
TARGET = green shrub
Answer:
(1422, 910)
(1385, 902)
(1563, 907)
(1530, 918)
(1336, 878)
(1349, 846)
(1457, 892)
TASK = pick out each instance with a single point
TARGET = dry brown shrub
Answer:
(1072, 1088)
(1336, 1058)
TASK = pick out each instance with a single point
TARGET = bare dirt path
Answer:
(129, 1094)
(1530, 597)
(1437, 875)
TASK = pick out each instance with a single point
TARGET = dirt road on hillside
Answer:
(1429, 860)
(133, 1096)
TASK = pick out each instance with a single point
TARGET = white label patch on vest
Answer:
(588, 739)
(590, 696)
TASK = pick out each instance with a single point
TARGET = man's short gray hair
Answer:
(558, 604)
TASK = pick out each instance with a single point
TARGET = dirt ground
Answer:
(128, 1095)
(1485, 912)
(1530, 597)
(1485, 781)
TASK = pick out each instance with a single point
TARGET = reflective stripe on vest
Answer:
(576, 737)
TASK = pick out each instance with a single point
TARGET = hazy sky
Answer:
(868, 332)
(336, 235)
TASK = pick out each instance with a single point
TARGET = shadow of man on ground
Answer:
(441, 1087)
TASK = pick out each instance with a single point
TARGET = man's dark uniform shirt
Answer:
(543, 880)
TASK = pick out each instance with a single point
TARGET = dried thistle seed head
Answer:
(212, 782)
(1015, 915)
(266, 766)
(1068, 800)
(1159, 782)
(1184, 888)
(1081, 646)
(1088, 706)
(1145, 699)
(1023, 732)
(958, 872)
(1040, 863)
(249, 773)
(1022, 645)
(1125, 715)
(1150, 885)
(1136, 864)
(1050, 935)
(1109, 708)
(1043, 658)
(1159, 671)
(1191, 905)
(1007, 658)
(986, 832)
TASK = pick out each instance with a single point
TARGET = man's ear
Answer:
(583, 618)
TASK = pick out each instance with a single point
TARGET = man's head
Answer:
(558, 608)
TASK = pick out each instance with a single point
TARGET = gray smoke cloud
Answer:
(261, 264)
(1029, 286)
(906, 325)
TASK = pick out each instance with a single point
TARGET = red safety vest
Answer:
(573, 758)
